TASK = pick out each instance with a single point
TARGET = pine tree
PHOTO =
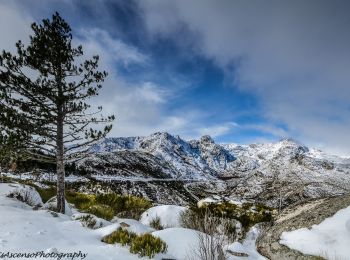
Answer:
(44, 93)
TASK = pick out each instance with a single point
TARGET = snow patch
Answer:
(247, 246)
(51, 204)
(90, 221)
(181, 241)
(26, 194)
(169, 215)
(329, 239)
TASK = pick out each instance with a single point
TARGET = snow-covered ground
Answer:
(169, 215)
(181, 241)
(25, 230)
(43, 176)
(329, 239)
(247, 246)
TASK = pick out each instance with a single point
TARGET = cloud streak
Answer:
(294, 56)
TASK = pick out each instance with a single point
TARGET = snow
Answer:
(206, 201)
(52, 203)
(98, 222)
(134, 225)
(25, 230)
(169, 215)
(329, 239)
(204, 160)
(181, 241)
(43, 176)
(247, 246)
(28, 193)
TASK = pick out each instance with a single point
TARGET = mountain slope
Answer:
(279, 173)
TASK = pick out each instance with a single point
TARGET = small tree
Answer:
(46, 90)
(215, 233)
(11, 140)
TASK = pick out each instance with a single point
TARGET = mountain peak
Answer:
(206, 139)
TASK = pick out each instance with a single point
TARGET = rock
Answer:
(237, 253)
(302, 216)
(275, 246)
(124, 225)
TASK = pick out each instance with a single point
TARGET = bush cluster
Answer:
(120, 236)
(156, 223)
(104, 206)
(147, 245)
(248, 214)
(46, 194)
(124, 206)
(143, 245)
(101, 211)
(88, 221)
(204, 220)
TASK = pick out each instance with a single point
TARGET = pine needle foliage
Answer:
(44, 93)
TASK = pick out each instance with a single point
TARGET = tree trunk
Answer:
(60, 183)
(60, 164)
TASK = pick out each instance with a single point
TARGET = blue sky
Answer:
(240, 72)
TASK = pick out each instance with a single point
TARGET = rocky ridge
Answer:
(279, 174)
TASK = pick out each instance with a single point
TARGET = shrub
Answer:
(125, 206)
(47, 193)
(147, 245)
(216, 232)
(224, 214)
(120, 236)
(156, 223)
(87, 220)
(90, 221)
(248, 214)
(144, 245)
(104, 205)
(81, 201)
(206, 221)
(101, 211)
(27, 195)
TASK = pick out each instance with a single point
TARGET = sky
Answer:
(240, 71)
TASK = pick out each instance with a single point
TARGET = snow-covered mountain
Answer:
(256, 171)
(197, 159)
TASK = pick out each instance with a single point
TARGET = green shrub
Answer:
(105, 206)
(248, 214)
(120, 236)
(156, 223)
(89, 221)
(81, 201)
(47, 193)
(124, 206)
(144, 245)
(147, 245)
(101, 211)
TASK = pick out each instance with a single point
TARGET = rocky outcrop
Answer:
(292, 218)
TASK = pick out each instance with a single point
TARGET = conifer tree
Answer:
(44, 93)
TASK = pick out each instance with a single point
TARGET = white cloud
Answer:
(13, 26)
(294, 56)
(118, 51)
(217, 130)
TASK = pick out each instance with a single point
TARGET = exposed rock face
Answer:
(279, 174)
(293, 218)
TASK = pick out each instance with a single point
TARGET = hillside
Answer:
(284, 171)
